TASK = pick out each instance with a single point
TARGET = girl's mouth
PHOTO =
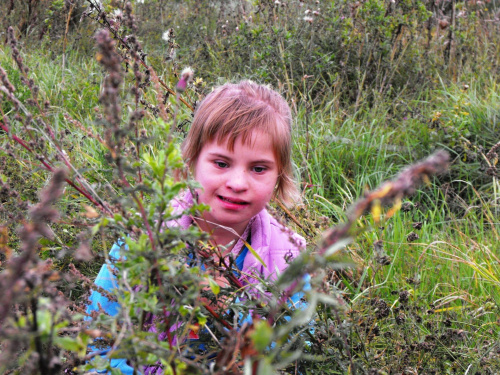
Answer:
(232, 200)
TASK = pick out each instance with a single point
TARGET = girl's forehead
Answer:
(248, 139)
(257, 141)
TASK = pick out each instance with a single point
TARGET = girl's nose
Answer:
(237, 181)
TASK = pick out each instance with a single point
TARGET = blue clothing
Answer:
(241, 258)
(107, 281)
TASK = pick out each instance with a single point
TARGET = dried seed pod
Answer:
(404, 296)
(412, 237)
(443, 24)
(400, 319)
(406, 207)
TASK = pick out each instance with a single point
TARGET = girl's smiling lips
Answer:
(232, 203)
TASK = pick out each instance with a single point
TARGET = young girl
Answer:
(238, 149)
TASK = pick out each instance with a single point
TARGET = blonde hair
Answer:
(236, 110)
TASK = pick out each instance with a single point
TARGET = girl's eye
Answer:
(259, 169)
(221, 164)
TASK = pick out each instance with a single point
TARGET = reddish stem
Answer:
(212, 312)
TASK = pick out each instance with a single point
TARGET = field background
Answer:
(373, 85)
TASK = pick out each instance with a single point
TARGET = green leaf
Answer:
(202, 319)
(262, 335)
(95, 229)
(183, 310)
(44, 320)
(214, 286)
(167, 369)
(74, 344)
(85, 340)
(254, 253)
(151, 358)
(68, 343)
(21, 321)
(265, 368)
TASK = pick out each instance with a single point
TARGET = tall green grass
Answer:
(451, 271)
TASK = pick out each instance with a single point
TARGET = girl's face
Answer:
(236, 184)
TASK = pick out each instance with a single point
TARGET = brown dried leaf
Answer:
(90, 212)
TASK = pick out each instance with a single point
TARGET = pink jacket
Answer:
(274, 243)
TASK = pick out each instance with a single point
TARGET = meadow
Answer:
(89, 149)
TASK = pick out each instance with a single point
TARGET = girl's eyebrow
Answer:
(223, 156)
(219, 155)
(263, 161)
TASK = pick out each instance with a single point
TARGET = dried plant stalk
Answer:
(390, 192)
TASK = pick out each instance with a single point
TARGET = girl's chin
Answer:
(231, 220)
